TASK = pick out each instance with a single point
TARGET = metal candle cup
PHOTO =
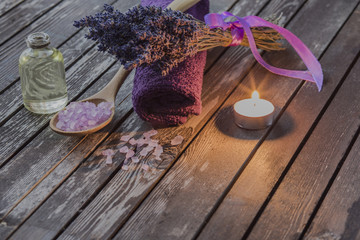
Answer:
(253, 113)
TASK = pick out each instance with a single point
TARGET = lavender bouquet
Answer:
(161, 37)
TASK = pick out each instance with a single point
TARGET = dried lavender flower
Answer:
(152, 36)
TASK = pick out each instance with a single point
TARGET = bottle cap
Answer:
(38, 40)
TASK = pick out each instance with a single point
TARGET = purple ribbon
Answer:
(314, 72)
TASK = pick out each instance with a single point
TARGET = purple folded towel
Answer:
(171, 99)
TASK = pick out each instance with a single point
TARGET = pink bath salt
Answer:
(125, 138)
(124, 149)
(80, 116)
(125, 167)
(153, 143)
(159, 148)
(140, 142)
(146, 150)
(157, 152)
(150, 133)
(135, 159)
(129, 154)
(109, 160)
(126, 161)
(132, 141)
(145, 167)
(177, 140)
(108, 152)
(147, 140)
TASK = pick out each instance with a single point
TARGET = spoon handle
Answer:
(110, 91)
(182, 5)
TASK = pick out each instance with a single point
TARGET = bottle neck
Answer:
(41, 52)
(38, 40)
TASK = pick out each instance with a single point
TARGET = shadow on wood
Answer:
(225, 123)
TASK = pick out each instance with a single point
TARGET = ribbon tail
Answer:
(314, 73)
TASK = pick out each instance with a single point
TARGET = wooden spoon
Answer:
(107, 94)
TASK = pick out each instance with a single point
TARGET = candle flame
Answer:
(255, 95)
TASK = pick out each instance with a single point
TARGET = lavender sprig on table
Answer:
(160, 37)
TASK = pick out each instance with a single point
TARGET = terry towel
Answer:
(169, 100)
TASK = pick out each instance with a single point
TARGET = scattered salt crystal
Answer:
(135, 159)
(147, 140)
(124, 149)
(158, 150)
(127, 161)
(108, 152)
(150, 133)
(146, 150)
(132, 141)
(177, 140)
(140, 142)
(145, 167)
(125, 138)
(80, 116)
(125, 167)
(129, 154)
(109, 160)
(153, 143)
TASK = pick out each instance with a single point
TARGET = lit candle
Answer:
(253, 113)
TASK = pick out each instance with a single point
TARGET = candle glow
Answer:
(253, 113)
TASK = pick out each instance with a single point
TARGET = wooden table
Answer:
(300, 178)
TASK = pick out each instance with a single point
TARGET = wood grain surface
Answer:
(222, 182)
(272, 158)
(338, 216)
(23, 15)
(7, 5)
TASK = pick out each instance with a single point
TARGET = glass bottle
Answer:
(42, 75)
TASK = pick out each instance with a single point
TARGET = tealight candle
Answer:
(253, 113)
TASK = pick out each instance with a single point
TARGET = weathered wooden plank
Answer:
(40, 166)
(296, 197)
(181, 201)
(338, 216)
(21, 16)
(35, 169)
(99, 219)
(57, 23)
(7, 5)
(257, 180)
(100, 176)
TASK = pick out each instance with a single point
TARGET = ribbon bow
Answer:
(314, 72)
